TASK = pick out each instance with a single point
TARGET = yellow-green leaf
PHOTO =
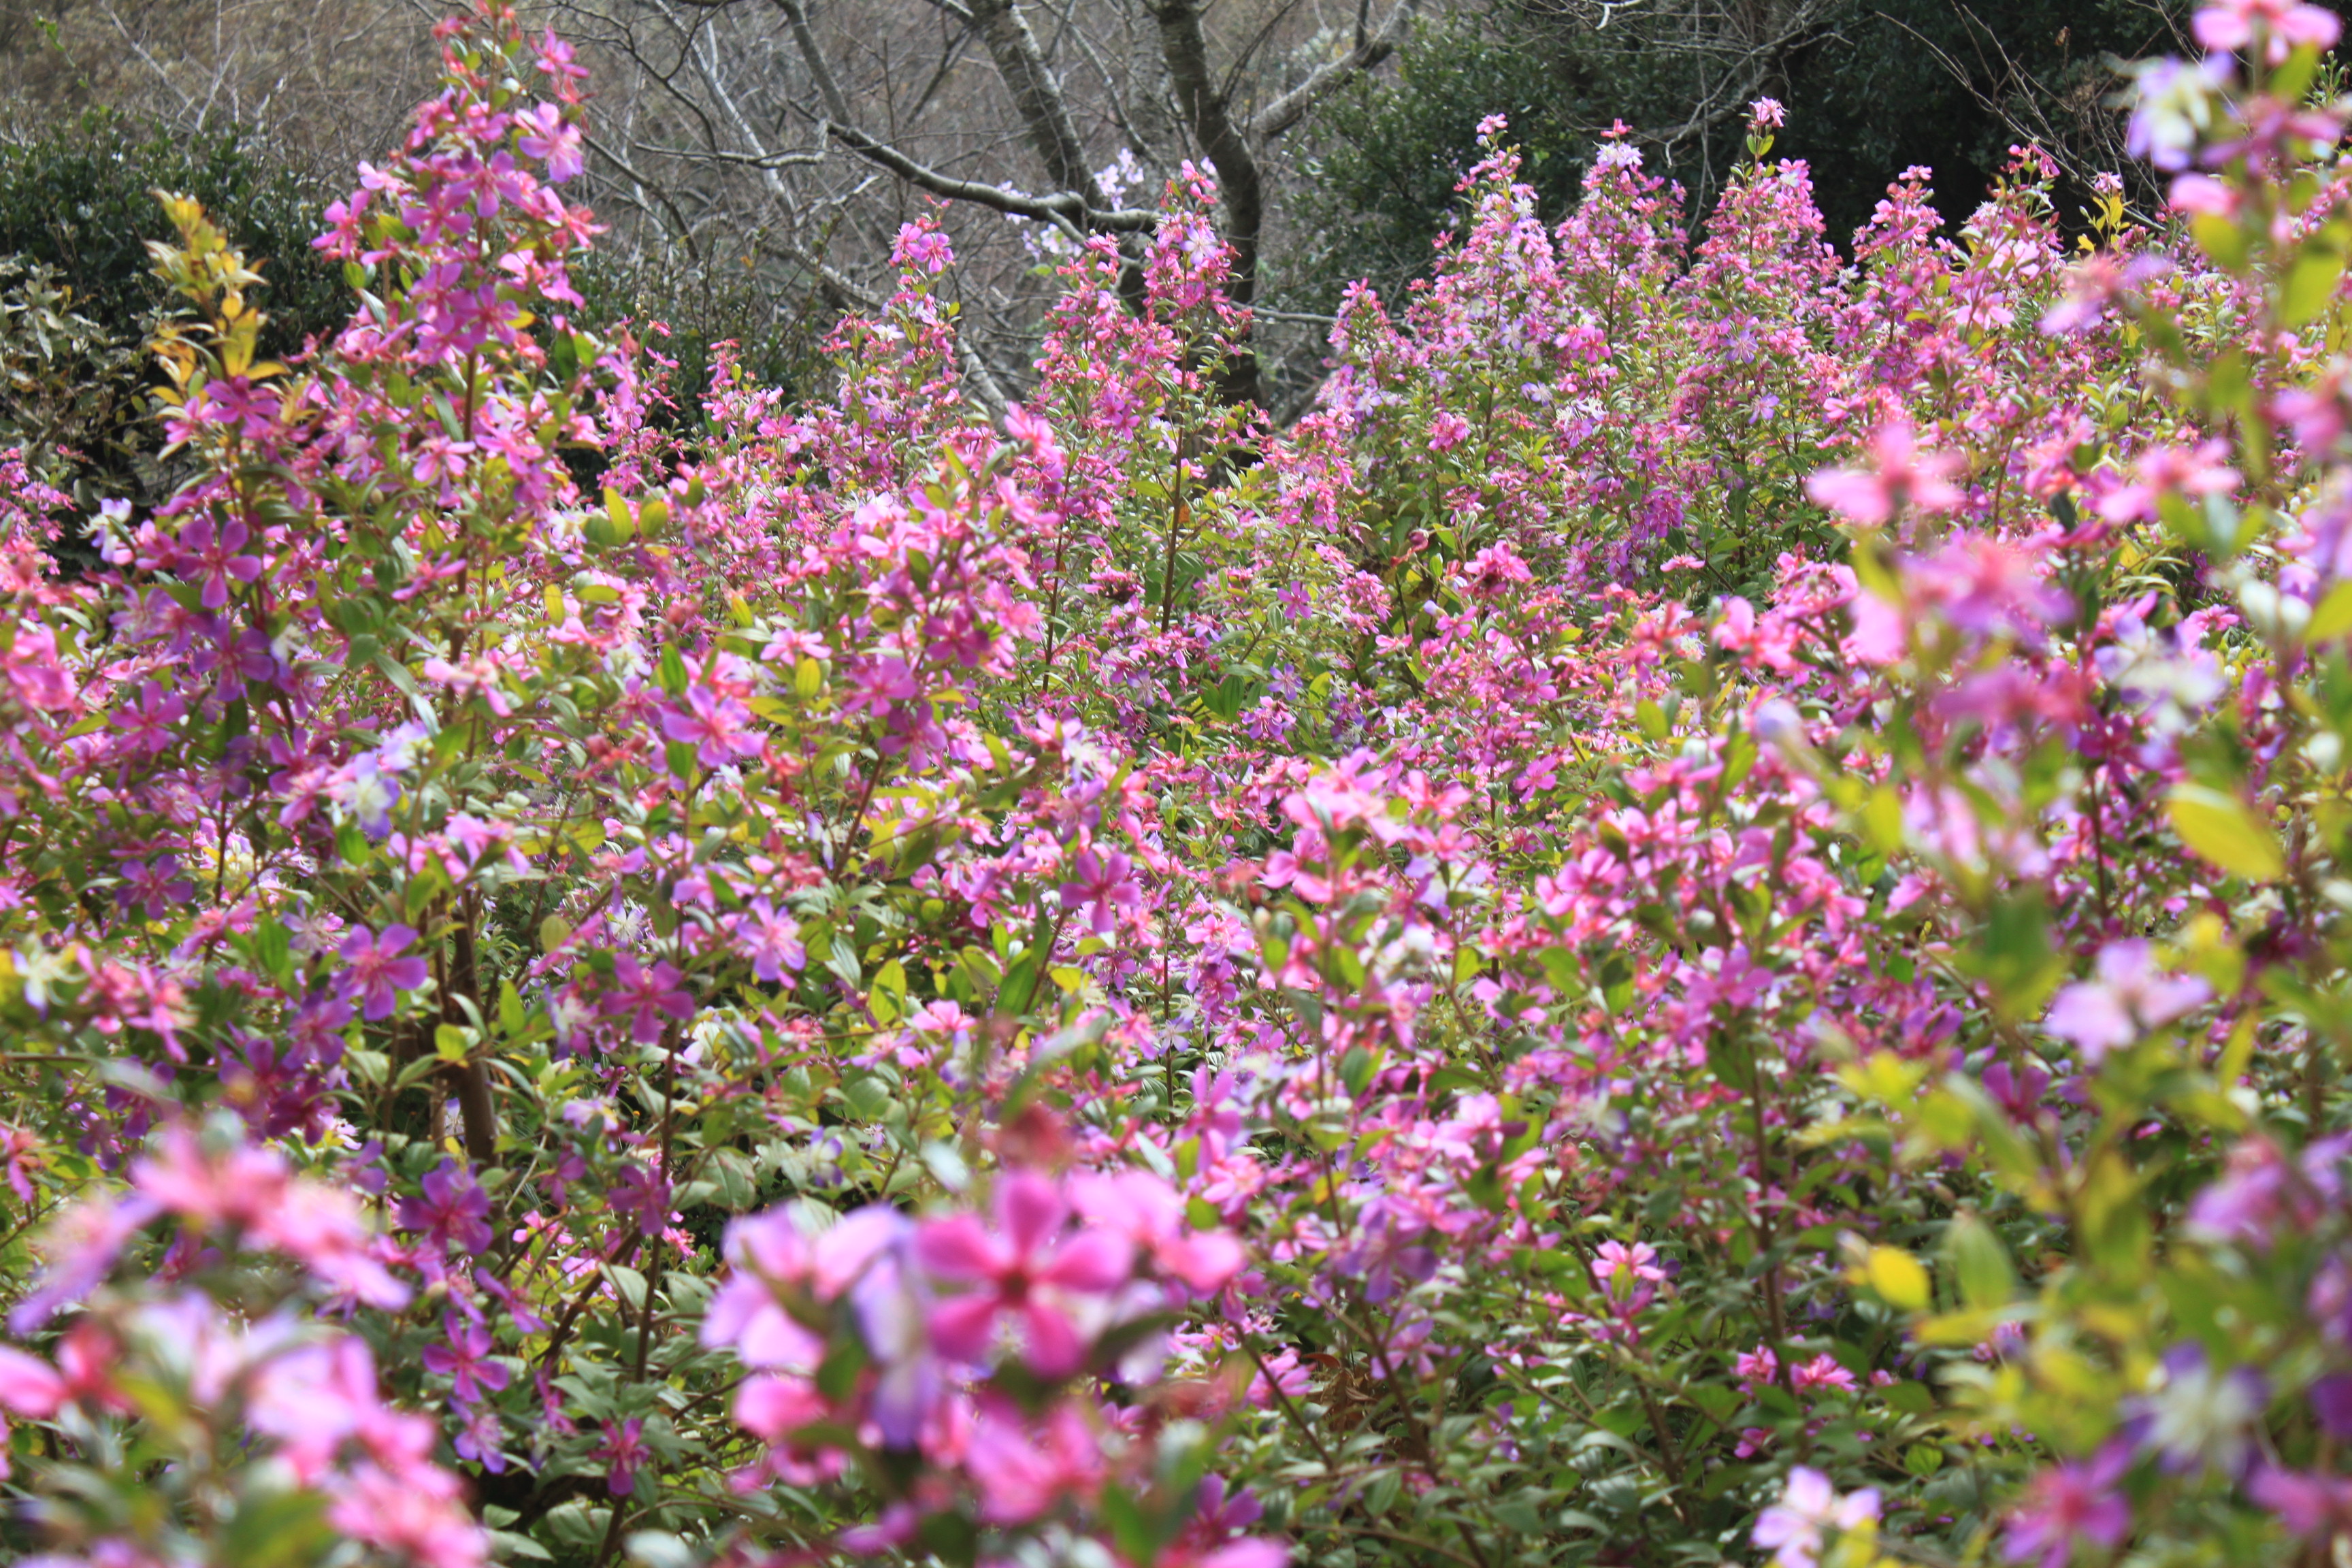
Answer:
(2219, 238)
(1978, 1262)
(2310, 286)
(1882, 817)
(2333, 617)
(1897, 1277)
(2219, 829)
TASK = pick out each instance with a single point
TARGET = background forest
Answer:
(754, 158)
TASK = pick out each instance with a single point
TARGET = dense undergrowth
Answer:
(1705, 917)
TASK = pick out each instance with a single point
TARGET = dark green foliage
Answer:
(1890, 92)
(1878, 85)
(777, 340)
(78, 296)
(76, 200)
(68, 383)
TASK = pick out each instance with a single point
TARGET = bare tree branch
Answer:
(1066, 210)
(1285, 112)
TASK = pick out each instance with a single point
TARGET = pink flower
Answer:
(29, 1386)
(2194, 472)
(769, 939)
(1028, 1273)
(2228, 27)
(1023, 1472)
(1619, 1270)
(1821, 1372)
(1150, 1214)
(1757, 1367)
(548, 137)
(2073, 1500)
(1898, 474)
(919, 244)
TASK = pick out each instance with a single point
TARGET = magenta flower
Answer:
(477, 1439)
(623, 1453)
(466, 1359)
(717, 727)
(2331, 1402)
(640, 1193)
(212, 556)
(643, 996)
(2075, 1501)
(376, 973)
(1027, 1272)
(453, 1209)
(1100, 886)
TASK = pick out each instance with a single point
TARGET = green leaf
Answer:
(1978, 1262)
(616, 515)
(2219, 828)
(629, 1283)
(660, 1548)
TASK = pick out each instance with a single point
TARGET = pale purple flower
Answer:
(1793, 1527)
(769, 938)
(2201, 1417)
(2130, 997)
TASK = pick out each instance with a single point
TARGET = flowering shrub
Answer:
(1701, 922)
